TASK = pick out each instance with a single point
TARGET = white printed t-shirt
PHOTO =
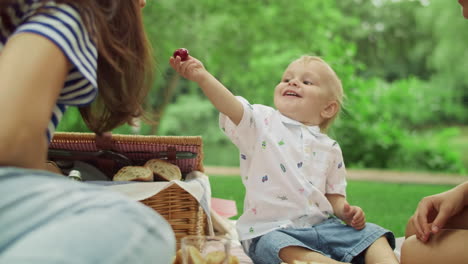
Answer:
(286, 168)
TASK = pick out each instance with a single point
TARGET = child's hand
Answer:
(191, 68)
(354, 216)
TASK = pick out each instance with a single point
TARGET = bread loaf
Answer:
(164, 170)
(134, 173)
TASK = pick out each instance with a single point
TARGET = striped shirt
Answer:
(63, 26)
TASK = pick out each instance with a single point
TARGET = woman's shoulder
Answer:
(20, 11)
(62, 24)
(42, 17)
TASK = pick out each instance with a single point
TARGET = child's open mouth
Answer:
(291, 93)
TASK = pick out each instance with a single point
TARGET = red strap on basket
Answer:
(104, 141)
(171, 153)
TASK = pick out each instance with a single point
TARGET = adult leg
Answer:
(289, 254)
(49, 219)
(380, 252)
(448, 246)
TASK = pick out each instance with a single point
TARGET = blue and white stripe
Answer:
(61, 24)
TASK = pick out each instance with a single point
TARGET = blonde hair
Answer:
(333, 83)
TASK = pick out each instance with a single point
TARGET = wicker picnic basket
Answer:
(110, 152)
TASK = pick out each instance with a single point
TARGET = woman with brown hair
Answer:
(91, 54)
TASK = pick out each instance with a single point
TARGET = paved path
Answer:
(372, 175)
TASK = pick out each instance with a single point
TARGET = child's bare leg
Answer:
(380, 252)
(448, 246)
(289, 254)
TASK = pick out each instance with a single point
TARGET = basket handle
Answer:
(104, 141)
(171, 153)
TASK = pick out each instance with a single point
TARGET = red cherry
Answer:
(182, 53)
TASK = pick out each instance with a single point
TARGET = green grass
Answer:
(386, 204)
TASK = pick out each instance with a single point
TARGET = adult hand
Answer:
(354, 216)
(433, 211)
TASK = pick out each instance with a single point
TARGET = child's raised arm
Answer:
(219, 95)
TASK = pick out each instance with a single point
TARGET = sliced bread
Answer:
(164, 170)
(134, 173)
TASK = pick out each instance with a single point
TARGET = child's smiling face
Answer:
(302, 94)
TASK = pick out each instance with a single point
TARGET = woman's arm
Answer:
(32, 73)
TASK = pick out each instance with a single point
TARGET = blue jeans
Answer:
(47, 218)
(330, 238)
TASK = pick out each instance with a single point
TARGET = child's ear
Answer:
(330, 110)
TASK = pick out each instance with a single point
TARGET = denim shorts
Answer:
(330, 238)
(47, 218)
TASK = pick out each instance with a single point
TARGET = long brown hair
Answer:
(125, 61)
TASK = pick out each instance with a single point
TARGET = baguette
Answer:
(134, 173)
(164, 170)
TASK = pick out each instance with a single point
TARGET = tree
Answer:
(245, 44)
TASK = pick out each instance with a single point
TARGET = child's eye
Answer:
(307, 83)
(286, 80)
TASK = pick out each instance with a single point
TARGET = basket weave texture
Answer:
(177, 206)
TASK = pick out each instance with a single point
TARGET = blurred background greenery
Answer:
(403, 65)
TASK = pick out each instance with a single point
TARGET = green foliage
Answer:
(247, 44)
(400, 39)
(191, 115)
(388, 43)
(380, 129)
(72, 122)
(410, 103)
(195, 115)
(429, 151)
(448, 59)
(225, 154)
(403, 65)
